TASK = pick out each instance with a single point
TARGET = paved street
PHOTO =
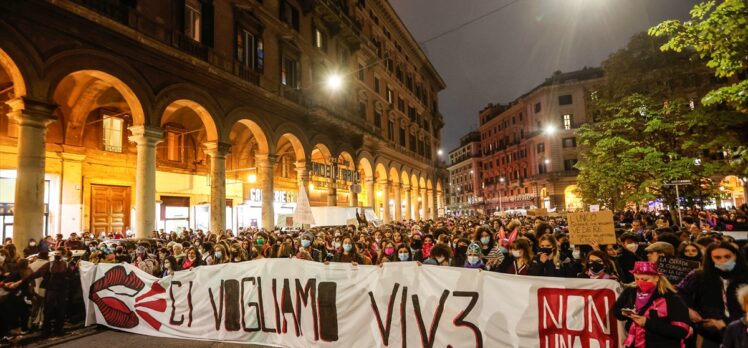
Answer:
(113, 339)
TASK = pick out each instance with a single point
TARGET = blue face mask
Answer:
(403, 257)
(485, 240)
(305, 243)
(726, 267)
(347, 247)
(219, 255)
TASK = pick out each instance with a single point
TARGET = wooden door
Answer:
(110, 208)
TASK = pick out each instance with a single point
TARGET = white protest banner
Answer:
(296, 303)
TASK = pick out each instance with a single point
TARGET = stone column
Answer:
(217, 152)
(146, 138)
(302, 175)
(332, 190)
(424, 204)
(408, 203)
(265, 175)
(430, 204)
(371, 195)
(32, 117)
(71, 200)
(352, 196)
(385, 187)
(398, 203)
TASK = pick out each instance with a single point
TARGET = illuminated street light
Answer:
(334, 82)
(439, 152)
(547, 161)
(252, 178)
(311, 186)
(550, 129)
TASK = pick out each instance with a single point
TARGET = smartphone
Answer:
(628, 311)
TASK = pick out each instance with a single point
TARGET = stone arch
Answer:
(83, 91)
(404, 177)
(421, 183)
(257, 126)
(21, 63)
(110, 70)
(320, 151)
(364, 164)
(413, 181)
(295, 135)
(201, 103)
(296, 145)
(11, 74)
(394, 175)
(381, 171)
(429, 184)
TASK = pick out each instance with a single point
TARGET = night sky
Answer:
(504, 55)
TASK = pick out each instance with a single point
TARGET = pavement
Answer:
(100, 336)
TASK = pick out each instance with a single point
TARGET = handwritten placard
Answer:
(675, 269)
(587, 226)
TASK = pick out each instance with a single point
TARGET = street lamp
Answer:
(439, 152)
(334, 81)
(550, 129)
(501, 180)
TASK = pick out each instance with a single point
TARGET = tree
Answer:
(719, 34)
(649, 128)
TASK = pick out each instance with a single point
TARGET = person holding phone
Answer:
(655, 316)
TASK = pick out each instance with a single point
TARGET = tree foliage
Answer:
(649, 128)
(718, 34)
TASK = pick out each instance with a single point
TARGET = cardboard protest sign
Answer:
(675, 269)
(587, 226)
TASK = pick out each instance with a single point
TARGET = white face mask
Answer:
(632, 247)
(517, 253)
(439, 260)
(473, 259)
(32, 244)
(576, 254)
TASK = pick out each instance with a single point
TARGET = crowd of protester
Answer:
(706, 309)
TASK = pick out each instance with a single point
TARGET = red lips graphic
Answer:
(117, 313)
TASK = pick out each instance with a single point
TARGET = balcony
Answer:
(190, 46)
(246, 73)
(340, 22)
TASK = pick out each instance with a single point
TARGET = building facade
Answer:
(464, 177)
(529, 147)
(211, 114)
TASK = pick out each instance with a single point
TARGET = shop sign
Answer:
(255, 195)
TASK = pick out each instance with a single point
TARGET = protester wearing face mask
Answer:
(350, 254)
(416, 246)
(403, 254)
(548, 262)
(711, 292)
(387, 252)
(170, 266)
(474, 257)
(630, 254)
(31, 249)
(690, 251)
(655, 316)
(485, 237)
(220, 254)
(521, 257)
(439, 256)
(309, 252)
(597, 265)
(428, 244)
(460, 252)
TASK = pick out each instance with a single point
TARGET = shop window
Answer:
(113, 128)
(175, 213)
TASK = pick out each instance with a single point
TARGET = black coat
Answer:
(703, 293)
(661, 332)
